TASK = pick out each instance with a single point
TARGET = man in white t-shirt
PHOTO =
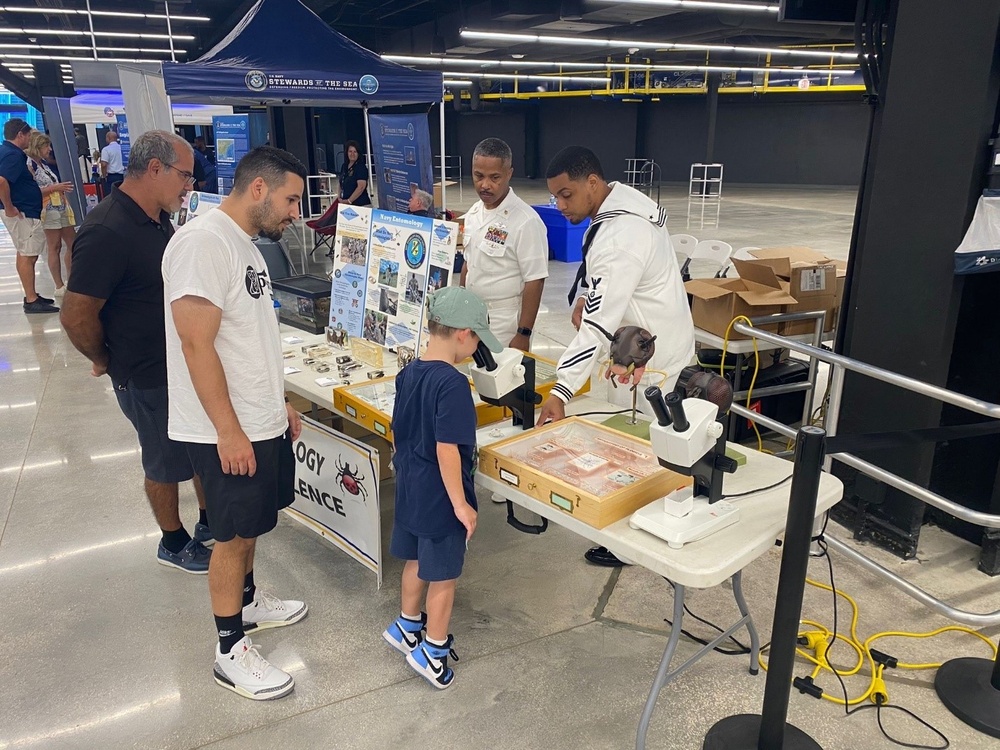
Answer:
(112, 164)
(506, 247)
(225, 382)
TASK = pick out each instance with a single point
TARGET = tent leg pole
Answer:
(444, 193)
(372, 182)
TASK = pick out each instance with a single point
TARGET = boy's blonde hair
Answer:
(441, 330)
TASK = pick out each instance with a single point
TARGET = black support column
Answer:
(924, 173)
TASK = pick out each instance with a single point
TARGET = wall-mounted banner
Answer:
(402, 146)
(123, 139)
(232, 141)
(336, 492)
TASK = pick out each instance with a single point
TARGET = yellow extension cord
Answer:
(819, 640)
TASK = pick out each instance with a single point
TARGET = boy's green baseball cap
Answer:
(457, 307)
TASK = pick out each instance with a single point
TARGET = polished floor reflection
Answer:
(100, 647)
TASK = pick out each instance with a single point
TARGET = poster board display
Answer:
(123, 138)
(402, 146)
(384, 265)
(336, 492)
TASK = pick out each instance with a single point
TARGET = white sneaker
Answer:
(498, 498)
(244, 671)
(58, 293)
(267, 611)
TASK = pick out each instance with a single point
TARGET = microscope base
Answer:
(704, 519)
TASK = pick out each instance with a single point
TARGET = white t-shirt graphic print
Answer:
(214, 259)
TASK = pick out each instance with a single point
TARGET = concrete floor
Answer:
(102, 647)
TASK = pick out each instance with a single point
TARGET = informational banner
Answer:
(402, 146)
(123, 139)
(384, 263)
(232, 141)
(336, 492)
(350, 267)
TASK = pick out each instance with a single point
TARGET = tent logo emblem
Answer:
(368, 84)
(256, 80)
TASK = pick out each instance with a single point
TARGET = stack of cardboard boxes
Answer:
(773, 280)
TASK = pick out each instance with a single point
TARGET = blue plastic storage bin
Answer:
(565, 239)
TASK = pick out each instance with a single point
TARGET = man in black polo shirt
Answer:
(113, 314)
(22, 211)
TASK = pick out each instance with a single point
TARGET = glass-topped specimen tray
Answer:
(595, 473)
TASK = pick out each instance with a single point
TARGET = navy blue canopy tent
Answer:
(283, 53)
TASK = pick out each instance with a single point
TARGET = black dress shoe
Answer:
(602, 556)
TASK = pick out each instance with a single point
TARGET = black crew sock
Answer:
(230, 631)
(248, 589)
(202, 516)
(175, 541)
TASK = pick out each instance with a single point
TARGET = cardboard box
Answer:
(811, 279)
(437, 191)
(758, 292)
(537, 463)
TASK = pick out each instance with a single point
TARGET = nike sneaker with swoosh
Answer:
(405, 634)
(431, 662)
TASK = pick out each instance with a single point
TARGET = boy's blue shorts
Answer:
(438, 559)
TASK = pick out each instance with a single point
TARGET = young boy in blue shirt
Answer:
(434, 429)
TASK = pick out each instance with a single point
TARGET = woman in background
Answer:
(58, 220)
(354, 177)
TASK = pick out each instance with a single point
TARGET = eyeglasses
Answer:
(188, 176)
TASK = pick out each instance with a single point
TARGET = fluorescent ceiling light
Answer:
(87, 48)
(118, 34)
(519, 77)
(628, 43)
(14, 56)
(699, 5)
(112, 13)
(456, 82)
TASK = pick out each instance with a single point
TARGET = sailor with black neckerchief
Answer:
(633, 279)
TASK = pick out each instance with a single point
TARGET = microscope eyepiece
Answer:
(483, 358)
(655, 398)
(675, 405)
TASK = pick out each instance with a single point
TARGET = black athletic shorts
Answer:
(246, 506)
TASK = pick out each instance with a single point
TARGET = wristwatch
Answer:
(524, 331)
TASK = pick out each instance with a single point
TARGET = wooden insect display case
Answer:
(592, 472)
(369, 403)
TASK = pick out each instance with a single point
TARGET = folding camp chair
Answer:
(324, 229)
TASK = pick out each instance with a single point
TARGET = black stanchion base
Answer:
(963, 685)
(741, 732)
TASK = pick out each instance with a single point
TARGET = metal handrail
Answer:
(839, 364)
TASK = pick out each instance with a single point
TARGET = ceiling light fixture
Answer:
(626, 43)
(118, 34)
(456, 82)
(111, 13)
(521, 77)
(13, 56)
(87, 48)
(700, 5)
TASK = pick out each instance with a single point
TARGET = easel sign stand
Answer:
(769, 730)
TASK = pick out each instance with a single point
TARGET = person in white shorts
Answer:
(506, 248)
(22, 211)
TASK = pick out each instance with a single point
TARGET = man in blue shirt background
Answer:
(22, 211)
(434, 430)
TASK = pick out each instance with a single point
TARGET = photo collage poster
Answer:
(397, 278)
(350, 268)
(444, 246)
(384, 265)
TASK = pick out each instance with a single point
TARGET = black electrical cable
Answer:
(878, 706)
(591, 413)
(759, 489)
(727, 652)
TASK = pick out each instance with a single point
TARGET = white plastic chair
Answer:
(744, 253)
(684, 245)
(709, 259)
